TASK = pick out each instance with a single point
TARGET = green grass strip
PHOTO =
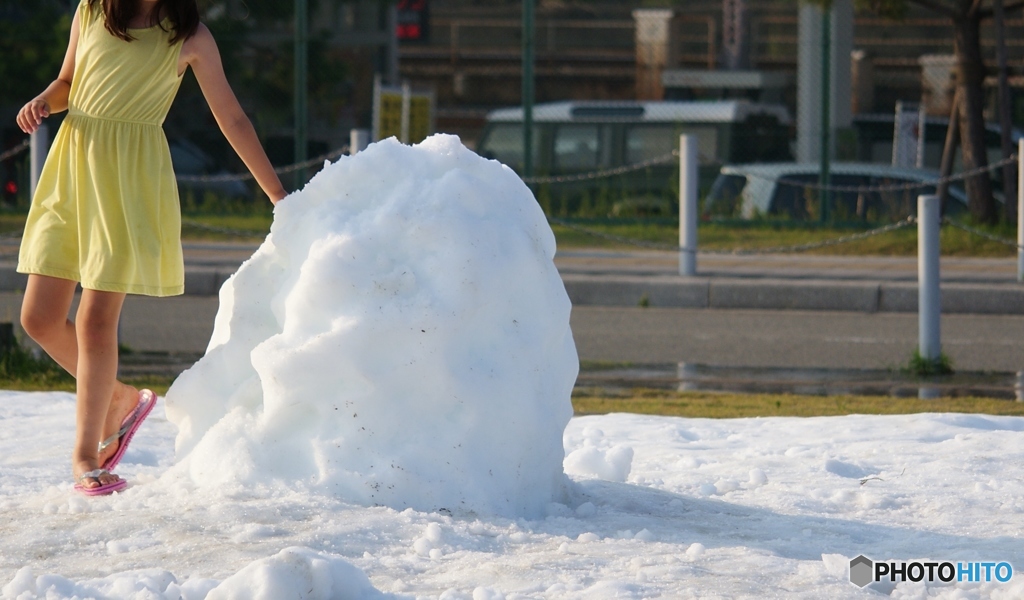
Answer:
(716, 405)
(728, 237)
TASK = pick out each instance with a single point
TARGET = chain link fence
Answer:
(608, 173)
(782, 249)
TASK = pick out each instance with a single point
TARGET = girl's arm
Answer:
(200, 52)
(54, 98)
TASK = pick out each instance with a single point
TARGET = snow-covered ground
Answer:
(744, 508)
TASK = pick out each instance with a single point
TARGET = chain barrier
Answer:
(781, 181)
(660, 160)
(672, 156)
(980, 233)
(816, 245)
(247, 176)
(896, 187)
(23, 146)
(907, 222)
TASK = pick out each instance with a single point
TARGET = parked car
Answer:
(789, 190)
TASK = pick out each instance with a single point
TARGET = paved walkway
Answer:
(650, 278)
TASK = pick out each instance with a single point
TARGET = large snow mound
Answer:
(401, 338)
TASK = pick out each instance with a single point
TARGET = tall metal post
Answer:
(928, 292)
(826, 103)
(948, 152)
(301, 87)
(403, 135)
(527, 89)
(358, 140)
(39, 145)
(1005, 119)
(734, 34)
(1020, 210)
(688, 205)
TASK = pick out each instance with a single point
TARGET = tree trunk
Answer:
(1005, 118)
(948, 154)
(970, 81)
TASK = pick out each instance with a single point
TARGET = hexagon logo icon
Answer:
(861, 571)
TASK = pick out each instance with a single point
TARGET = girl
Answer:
(106, 212)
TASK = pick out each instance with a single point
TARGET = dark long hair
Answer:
(183, 14)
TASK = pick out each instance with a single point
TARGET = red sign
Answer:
(412, 20)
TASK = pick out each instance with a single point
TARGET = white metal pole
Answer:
(376, 117)
(928, 295)
(406, 105)
(38, 146)
(688, 205)
(1020, 210)
(687, 375)
(358, 140)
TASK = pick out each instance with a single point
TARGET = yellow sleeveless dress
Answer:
(106, 210)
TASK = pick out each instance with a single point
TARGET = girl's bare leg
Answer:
(44, 317)
(96, 329)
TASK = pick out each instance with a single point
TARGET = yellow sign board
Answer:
(402, 113)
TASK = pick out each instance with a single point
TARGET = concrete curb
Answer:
(205, 281)
(788, 294)
(706, 292)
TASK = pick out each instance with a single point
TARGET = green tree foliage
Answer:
(33, 40)
(257, 48)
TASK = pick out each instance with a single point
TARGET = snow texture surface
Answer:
(401, 338)
(711, 508)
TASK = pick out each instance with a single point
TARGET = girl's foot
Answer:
(125, 399)
(88, 476)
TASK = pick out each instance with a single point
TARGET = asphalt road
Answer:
(739, 338)
(791, 339)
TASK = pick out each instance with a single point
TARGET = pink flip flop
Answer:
(131, 424)
(100, 490)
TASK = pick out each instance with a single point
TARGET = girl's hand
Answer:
(277, 196)
(32, 114)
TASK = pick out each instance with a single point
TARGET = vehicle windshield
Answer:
(582, 147)
(504, 143)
